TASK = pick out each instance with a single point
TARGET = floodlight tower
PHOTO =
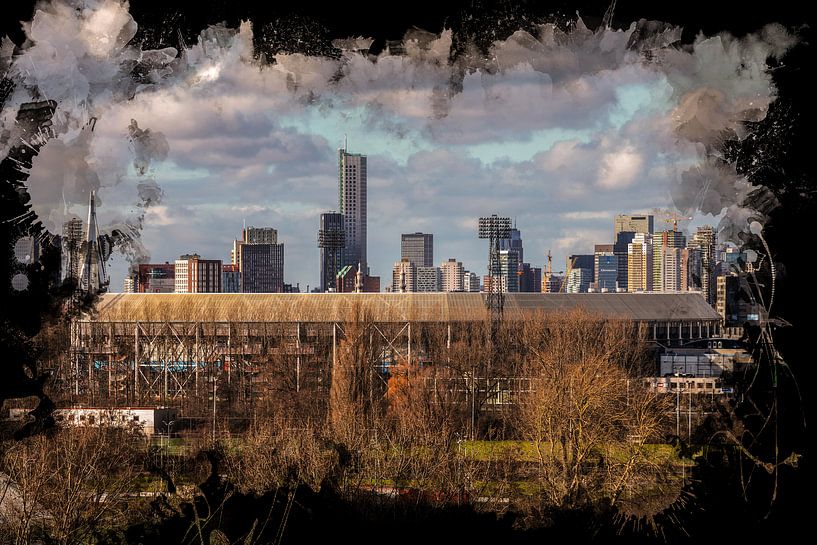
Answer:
(494, 228)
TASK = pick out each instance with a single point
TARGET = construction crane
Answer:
(674, 218)
(549, 271)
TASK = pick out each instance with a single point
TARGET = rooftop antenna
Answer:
(345, 142)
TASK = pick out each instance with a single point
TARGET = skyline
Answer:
(559, 129)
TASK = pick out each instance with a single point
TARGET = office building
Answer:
(230, 278)
(195, 275)
(635, 224)
(606, 272)
(156, 278)
(620, 249)
(453, 275)
(331, 241)
(514, 243)
(262, 267)
(352, 201)
(530, 278)
(418, 248)
(639, 261)
(428, 279)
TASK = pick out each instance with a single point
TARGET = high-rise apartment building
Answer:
(196, 275)
(403, 275)
(636, 224)
(331, 240)
(639, 263)
(428, 279)
(418, 248)
(352, 201)
(705, 240)
(453, 275)
(664, 242)
(671, 266)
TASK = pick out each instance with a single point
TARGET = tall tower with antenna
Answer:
(352, 203)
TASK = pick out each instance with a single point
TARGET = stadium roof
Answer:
(391, 307)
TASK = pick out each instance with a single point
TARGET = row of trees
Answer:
(579, 421)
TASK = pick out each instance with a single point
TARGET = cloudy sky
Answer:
(559, 130)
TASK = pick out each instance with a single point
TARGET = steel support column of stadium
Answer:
(136, 364)
(409, 343)
(298, 357)
(196, 359)
(708, 335)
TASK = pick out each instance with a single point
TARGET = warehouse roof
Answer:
(391, 307)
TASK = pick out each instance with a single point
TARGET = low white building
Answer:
(151, 420)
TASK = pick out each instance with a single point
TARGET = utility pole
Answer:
(214, 410)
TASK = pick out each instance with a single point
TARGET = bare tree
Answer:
(587, 414)
(71, 483)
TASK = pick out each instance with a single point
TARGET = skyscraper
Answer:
(705, 241)
(639, 270)
(418, 248)
(514, 242)
(352, 201)
(331, 240)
